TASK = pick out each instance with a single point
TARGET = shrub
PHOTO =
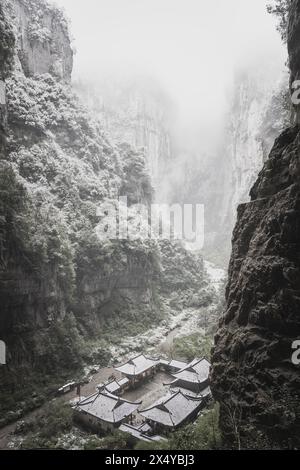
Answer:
(189, 347)
(204, 434)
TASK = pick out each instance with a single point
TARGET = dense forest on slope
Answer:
(65, 293)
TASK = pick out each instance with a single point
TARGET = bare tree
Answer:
(234, 416)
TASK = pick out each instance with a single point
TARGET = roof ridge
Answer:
(162, 403)
(130, 361)
(117, 398)
(88, 400)
(192, 364)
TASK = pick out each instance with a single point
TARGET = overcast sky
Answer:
(191, 46)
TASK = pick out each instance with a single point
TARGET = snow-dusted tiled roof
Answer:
(107, 407)
(206, 392)
(114, 385)
(178, 364)
(185, 391)
(123, 382)
(173, 410)
(138, 433)
(164, 362)
(137, 365)
(111, 387)
(64, 387)
(195, 372)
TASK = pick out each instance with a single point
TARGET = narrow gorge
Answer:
(82, 132)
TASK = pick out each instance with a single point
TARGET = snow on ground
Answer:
(216, 275)
(182, 324)
(158, 339)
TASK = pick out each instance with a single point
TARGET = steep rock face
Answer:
(63, 289)
(42, 38)
(6, 54)
(136, 113)
(259, 113)
(58, 280)
(253, 376)
(248, 142)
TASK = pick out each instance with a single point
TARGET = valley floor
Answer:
(156, 341)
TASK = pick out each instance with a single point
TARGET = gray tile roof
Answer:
(107, 407)
(185, 391)
(138, 433)
(178, 364)
(137, 365)
(173, 410)
(114, 385)
(195, 372)
(204, 393)
(123, 382)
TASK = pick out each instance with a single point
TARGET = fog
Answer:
(192, 47)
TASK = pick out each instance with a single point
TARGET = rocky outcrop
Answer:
(42, 38)
(253, 376)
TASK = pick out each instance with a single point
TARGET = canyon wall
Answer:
(136, 112)
(253, 376)
(66, 293)
(59, 283)
(259, 112)
(6, 54)
(42, 38)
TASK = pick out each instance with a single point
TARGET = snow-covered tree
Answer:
(280, 8)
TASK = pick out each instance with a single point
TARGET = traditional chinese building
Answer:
(116, 387)
(172, 366)
(140, 433)
(104, 411)
(138, 369)
(193, 377)
(172, 412)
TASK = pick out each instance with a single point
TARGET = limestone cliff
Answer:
(6, 54)
(136, 112)
(259, 112)
(42, 38)
(253, 376)
(65, 293)
(60, 283)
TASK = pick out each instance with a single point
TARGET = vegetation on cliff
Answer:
(67, 295)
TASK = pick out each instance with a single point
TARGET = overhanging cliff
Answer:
(253, 376)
